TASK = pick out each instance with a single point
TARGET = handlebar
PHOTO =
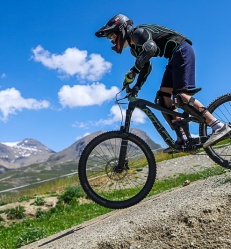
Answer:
(130, 95)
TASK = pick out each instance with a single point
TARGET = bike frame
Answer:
(144, 105)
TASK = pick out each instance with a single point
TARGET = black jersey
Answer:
(167, 40)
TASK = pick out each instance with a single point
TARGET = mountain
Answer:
(29, 161)
(23, 153)
(30, 151)
(146, 138)
(73, 152)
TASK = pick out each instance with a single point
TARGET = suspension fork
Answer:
(123, 161)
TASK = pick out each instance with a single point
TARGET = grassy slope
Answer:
(72, 212)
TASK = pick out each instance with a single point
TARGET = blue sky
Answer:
(58, 81)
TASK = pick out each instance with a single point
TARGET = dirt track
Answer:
(194, 216)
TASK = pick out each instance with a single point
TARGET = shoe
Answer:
(217, 134)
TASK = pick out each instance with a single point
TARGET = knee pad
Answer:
(159, 100)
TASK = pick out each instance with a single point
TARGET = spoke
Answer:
(110, 184)
(221, 152)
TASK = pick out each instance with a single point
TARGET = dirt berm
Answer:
(195, 216)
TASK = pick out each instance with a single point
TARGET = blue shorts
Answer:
(180, 71)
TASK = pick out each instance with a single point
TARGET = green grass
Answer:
(51, 188)
(34, 173)
(69, 212)
(223, 143)
(171, 183)
(163, 156)
(57, 219)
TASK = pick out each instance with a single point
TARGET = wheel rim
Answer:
(106, 181)
(221, 151)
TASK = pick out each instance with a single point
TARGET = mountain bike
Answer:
(117, 169)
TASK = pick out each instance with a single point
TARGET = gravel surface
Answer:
(195, 216)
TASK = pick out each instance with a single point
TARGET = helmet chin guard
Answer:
(122, 26)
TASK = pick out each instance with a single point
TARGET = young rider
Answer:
(151, 40)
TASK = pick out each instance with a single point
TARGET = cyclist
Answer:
(151, 40)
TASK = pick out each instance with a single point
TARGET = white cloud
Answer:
(11, 102)
(115, 116)
(73, 62)
(85, 95)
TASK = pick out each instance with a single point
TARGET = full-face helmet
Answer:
(117, 30)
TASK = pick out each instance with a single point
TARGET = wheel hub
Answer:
(115, 172)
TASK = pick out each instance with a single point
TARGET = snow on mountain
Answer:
(11, 144)
(22, 153)
(21, 149)
(30, 151)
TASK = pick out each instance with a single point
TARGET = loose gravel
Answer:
(194, 216)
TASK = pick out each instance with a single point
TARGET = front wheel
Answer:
(220, 153)
(101, 179)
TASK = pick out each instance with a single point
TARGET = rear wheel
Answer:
(221, 151)
(101, 179)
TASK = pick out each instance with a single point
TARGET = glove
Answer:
(129, 77)
(133, 91)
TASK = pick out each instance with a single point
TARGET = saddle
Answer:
(190, 91)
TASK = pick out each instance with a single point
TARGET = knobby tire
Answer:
(107, 187)
(220, 153)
